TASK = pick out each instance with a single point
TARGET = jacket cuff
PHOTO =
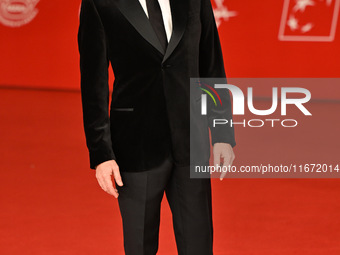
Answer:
(223, 136)
(98, 157)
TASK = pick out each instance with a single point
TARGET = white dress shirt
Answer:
(166, 13)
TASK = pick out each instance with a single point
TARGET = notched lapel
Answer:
(179, 21)
(135, 14)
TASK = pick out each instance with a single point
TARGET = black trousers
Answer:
(190, 202)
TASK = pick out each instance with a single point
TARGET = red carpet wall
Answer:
(267, 38)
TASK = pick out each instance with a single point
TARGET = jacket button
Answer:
(165, 66)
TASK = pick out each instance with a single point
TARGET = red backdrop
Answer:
(281, 38)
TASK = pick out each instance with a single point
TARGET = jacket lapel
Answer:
(134, 13)
(179, 20)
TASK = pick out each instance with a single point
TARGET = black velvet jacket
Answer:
(149, 115)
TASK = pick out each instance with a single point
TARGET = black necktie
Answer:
(156, 20)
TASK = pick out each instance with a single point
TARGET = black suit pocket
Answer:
(123, 109)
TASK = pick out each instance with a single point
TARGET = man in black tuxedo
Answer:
(154, 47)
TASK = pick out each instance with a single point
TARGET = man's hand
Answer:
(103, 175)
(225, 151)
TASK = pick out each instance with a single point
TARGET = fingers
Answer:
(105, 182)
(109, 186)
(217, 157)
(100, 182)
(228, 159)
(116, 175)
(104, 173)
(223, 174)
(217, 160)
(226, 163)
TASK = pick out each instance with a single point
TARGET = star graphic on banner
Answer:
(302, 4)
(222, 12)
(292, 23)
(226, 14)
(306, 28)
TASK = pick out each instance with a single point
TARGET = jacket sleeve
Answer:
(94, 64)
(211, 65)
